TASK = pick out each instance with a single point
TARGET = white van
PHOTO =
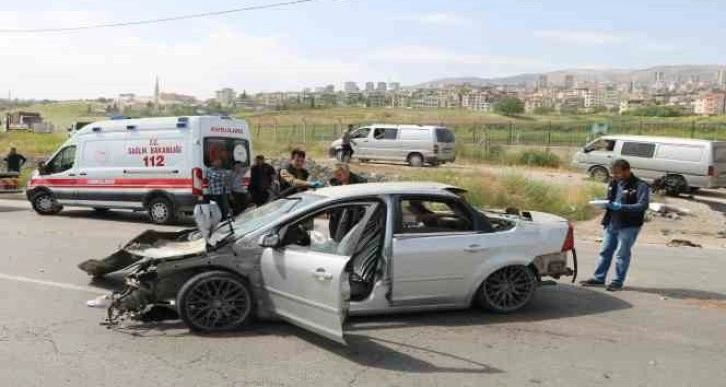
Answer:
(685, 163)
(151, 164)
(412, 144)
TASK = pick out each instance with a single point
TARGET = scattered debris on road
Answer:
(683, 243)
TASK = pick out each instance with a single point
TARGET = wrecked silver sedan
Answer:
(314, 258)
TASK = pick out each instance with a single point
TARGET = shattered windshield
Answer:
(252, 220)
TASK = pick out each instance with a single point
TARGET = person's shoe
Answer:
(614, 287)
(592, 282)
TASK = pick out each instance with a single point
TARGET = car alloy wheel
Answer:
(508, 289)
(215, 301)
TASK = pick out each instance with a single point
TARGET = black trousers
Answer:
(240, 200)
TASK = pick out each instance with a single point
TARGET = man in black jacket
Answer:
(628, 199)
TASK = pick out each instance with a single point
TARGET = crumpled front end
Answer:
(149, 244)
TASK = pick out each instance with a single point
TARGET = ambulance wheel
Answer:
(45, 204)
(161, 211)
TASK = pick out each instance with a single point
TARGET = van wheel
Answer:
(415, 160)
(675, 185)
(600, 174)
(45, 204)
(161, 211)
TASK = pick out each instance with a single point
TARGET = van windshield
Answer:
(228, 149)
(444, 135)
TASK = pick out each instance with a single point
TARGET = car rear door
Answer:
(305, 277)
(436, 250)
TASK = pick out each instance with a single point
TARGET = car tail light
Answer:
(569, 244)
(197, 182)
(711, 171)
(436, 149)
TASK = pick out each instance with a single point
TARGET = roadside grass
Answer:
(31, 144)
(515, 190)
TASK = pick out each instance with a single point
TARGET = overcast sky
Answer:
(329, 41)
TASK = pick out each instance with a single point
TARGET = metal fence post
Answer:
(693, 128)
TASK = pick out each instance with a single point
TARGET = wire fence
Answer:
(539, 133)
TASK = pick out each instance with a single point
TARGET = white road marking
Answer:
(59, 285)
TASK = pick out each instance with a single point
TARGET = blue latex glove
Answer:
(615, 206)
(316, 184)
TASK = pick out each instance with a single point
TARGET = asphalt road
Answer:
(668, 328)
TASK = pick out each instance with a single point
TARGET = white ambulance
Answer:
(147, 164)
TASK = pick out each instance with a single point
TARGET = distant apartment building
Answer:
(351, 87)
(533, 103)
(376, 100)
(711, 104)
(273, 99)
(330, 89)
(399, 100)
(721, 78)
(370, 87)
(569, 81)
(541, 82)
(480, 101)
(394, 86)
(382, 87)
(592, 98)
(225, 96)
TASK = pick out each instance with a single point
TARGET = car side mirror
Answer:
(269, 240)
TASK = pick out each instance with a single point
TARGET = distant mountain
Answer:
(642, 76)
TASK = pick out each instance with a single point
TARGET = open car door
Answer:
(306, 278)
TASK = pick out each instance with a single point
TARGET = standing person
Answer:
(294, 177)
(628, 199)
(15, 160)
(262, 177)
(219, 186)
(345, 142)
(339, 224)
(240, 197)
(343, 176)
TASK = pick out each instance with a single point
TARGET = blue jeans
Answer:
(616, 242)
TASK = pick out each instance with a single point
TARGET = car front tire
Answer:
(45, 204)
(215, 301)
(507, 289)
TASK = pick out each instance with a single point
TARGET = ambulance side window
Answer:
(62, 161)
(229, 150)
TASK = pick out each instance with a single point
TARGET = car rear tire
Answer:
(600, 174)
(45, 204)
(101, 210)
(215, 301)
(415, 160)
(161, 211)
(507, 289)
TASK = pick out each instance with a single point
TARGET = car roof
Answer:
(390, 188)
(657, 139)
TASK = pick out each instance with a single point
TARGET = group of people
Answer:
(233, 197)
